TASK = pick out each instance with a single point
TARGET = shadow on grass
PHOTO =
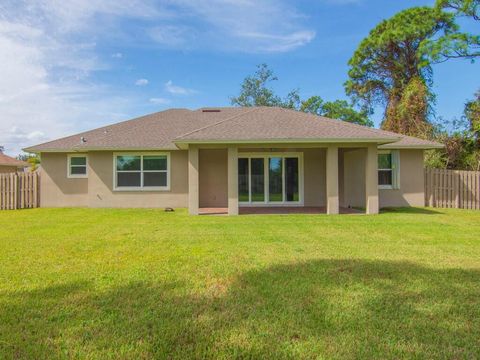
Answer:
(411, 210)
(326, 308)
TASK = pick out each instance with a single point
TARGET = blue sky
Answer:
(73, 65)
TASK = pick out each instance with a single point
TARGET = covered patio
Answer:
(283, 178)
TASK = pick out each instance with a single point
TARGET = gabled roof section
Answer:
(6, 160)
(274, 124)
(154, 131)
(170, 129)
(410, 142)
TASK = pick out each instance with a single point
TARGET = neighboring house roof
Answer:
(6, 160)
(171, 129)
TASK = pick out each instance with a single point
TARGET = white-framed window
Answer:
(77, 166)
(389, 169)
(141, 171)
(270, 178)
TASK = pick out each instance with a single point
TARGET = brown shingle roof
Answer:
(278, 124)
(154, 131)
(166, 129)
(6, 160)
(410, 142)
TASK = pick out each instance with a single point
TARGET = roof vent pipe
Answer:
(82, 140)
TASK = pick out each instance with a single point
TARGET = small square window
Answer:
(77, 166)
(388, 169)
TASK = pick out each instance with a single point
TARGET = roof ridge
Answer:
(337, 122)
(217, 123)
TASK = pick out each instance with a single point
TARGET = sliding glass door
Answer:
(243, 180)
(269, 179)
(257, 169)
(292, 188)
(275, 179)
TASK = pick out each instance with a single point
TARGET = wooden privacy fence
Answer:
(19, 191)
(452, 189)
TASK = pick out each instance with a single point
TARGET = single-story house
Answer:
(9, 164)
(234, 158)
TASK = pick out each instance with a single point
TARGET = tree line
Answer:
(392, 68)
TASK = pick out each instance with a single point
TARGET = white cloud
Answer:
(281, 43)
(85, 15)
(173, 36)
(159, 100)
(141, 82)
(46, 90)
(117, 55)
(21, 135)
(18, 136)
(241, 25)
(177, 90)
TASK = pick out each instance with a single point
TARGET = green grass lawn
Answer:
(130, 284)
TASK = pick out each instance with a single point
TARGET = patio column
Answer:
(232, 180)
(193, 197)
(371, 180)
(333, 206)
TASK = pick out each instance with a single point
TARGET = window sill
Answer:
(387, 187)
(141, 189)
(77, 176)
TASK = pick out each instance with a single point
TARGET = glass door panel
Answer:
(291, 179)
(243, 180)
(275, 179)
(257, 166)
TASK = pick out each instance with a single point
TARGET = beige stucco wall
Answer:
(100, 184)
(353, 178)
(97, 190)
(56, 190)
(213, 178)
(341, 176)
(8, 169)
(314, 165)
(411, 192)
